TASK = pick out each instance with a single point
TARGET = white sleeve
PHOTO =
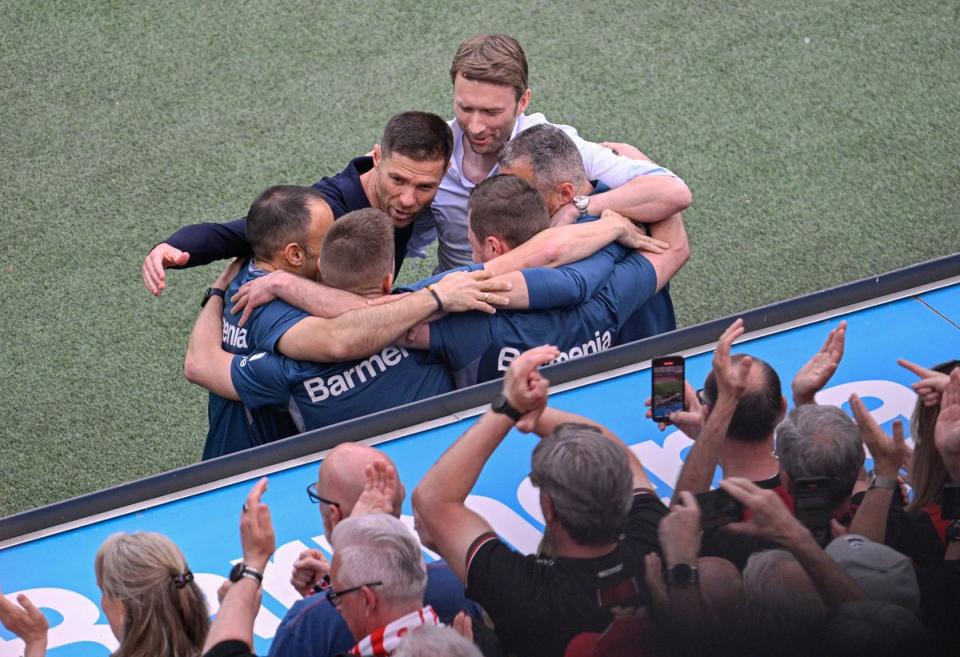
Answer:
(612, 170)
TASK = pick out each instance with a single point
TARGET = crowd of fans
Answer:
(617, 571)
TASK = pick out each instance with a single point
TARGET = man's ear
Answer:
(370, 598)
(565, 192)
(549, 510)
(523, 102)
(783, 406)
(294, 254)
(386, 286)
(377, 155)
(496, 245)
(334, 514)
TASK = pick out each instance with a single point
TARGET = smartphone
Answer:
(667, 375)
(813, 508)
(950, 504)
(718, 508)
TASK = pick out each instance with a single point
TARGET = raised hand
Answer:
(379, 490)
(946, 434)
(679, 531)
(27, 622)
(462, 291)
(155, 264)
(813, 376)
(888, 455)
(256, 528)
(731, 378)
(931, 383)
(689, 420)
(525, 388)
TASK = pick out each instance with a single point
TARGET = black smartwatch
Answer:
(241, 570)
(502, 406)
(212, 292)
(680, 574)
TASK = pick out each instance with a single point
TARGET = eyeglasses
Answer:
(333, 596)
(315, 497)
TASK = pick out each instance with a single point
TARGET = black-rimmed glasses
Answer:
(333, 596)
(315, 497)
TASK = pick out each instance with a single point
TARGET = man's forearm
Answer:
(237, 614)
(317, 299)
(552, 417)
(358, 333)
(648, 199)
(207, 242)
(833, 585)
(672, 231)
(557, 246)
(698, 468)
(452, 478)
(870, 521)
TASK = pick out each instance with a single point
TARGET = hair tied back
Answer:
(182, 580)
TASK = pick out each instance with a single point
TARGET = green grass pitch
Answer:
(819, 139)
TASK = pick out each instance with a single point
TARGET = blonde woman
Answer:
(154, 607)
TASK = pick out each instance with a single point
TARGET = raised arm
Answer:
(888, 455)
(193, 245)
(439, 499)
(206, 363)
(770, 519)
(234, 621)
(552, 417)
(698, 468)
(672, 231)
(815, 374)
(359, 333)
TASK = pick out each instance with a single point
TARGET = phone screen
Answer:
(667, 385)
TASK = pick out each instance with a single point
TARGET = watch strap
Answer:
(890, 483)
(502, 405)
(581, 203)
(212, 292)
(681, 574)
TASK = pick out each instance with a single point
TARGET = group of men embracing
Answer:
(543, 238)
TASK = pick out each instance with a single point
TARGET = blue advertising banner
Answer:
(56, 571)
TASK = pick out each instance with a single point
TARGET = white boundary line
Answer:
(460, 415)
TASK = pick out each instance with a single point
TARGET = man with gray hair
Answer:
(598, 505)
(377, 581)
(433, 641)
(547, 158)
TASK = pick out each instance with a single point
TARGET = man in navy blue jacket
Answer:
(400, 178)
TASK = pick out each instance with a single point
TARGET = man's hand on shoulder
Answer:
(155, 264)
(626, 150)
(633, 235)
(258, 292)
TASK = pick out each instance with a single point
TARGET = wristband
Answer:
(436, 297)
(213, 292)
(890, 483)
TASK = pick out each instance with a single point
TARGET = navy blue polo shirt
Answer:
(232, 426)
(319, 394)
(479, 347)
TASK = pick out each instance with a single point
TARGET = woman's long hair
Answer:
(165, 611)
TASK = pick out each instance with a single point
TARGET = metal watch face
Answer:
(681, 573)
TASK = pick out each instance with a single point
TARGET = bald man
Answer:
(312, 626)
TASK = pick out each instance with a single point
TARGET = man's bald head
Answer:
(343, 473)
(760, 408)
